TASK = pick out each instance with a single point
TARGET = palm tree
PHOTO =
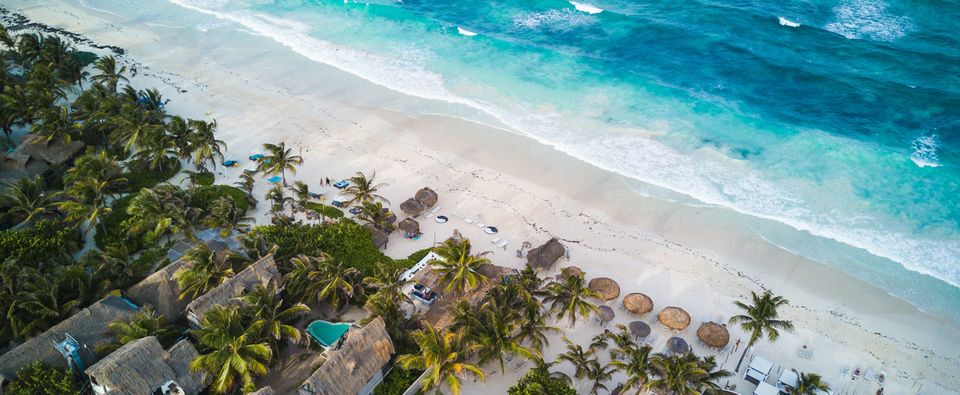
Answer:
(55, 124)
(269, 313)
(301, 192)
(810, 384)
(205, 270)
(100, 165)
(278, 199)
(761, 318)
(109, 75)
(579, 358)
(635, 362)
(203, 145)
(709, 383)
(45, 303)
(134, 131)
(318, 279)
(246, 182)
(598, 375)
(533, 326)
(25, 200)
(86, 200)
(571, 298)
(676, 375)
(443, 357)
(223, 213)
(388, 282)
(492, 328)
(363, 189)
(117, 263)
(396, 320)
(279, 160)
(235, 354)
(458, 267)
(378, 216)
(160, 211)
(142, 324)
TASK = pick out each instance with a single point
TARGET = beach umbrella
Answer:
(426, 196)
(677, 345)
(606, 287)
(571, 271)
(713, 334)
(409, 225)
(605, 314)
(638, 303)
(639, 329)
(543, 257)
(674, 318)
(390, 216)
(378, 237)
(412, 207)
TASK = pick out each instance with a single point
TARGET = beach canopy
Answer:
(674, 318)
(713, 335)
(390, 217)
(638, 303)
(606, 287)
(411, 207)
(426, 196)
(605, 314)
(571, 271)
(378, 237)
(409, 225)
(639, 329)
(677, 345)
(543, 257)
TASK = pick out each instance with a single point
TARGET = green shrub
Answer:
(39, 379)
(324, 210)
(116, 227)
(397, 381)
(205, 179)
(44, 241)
(140, 176)
(346, 241)
(538, 381)
(202, 196)
(84, 58)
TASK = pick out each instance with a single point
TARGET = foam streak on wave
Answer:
(588, 8)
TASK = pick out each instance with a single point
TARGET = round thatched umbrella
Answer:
(409, 225)
(426, 196)
(571, 271)
(390, 216)
(605, 314)
(674, 318)
(543, 257)
(639, 329)
(713, 335)
(606, 287)
(638, 303)
(677, 345)
(412, 207)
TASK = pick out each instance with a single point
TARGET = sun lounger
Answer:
(480, 224)
(274, 179)
(495, 240)
(868, 375)
(881, 377)
(844, 372)
(435, 209)
(468, 220)
(856, 373)
(503, 244)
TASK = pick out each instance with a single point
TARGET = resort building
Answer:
(263, 272)
(70, 343)
(143, 367)
(33, 156)
(357, 367)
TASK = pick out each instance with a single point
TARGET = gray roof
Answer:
(262, 272)
(142, 366)
(366, 351)
(88, 327)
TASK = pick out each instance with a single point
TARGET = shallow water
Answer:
(835, 118)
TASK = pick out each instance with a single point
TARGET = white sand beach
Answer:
(694, 257)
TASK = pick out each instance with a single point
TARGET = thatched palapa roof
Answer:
(639, 329)
(143, 366)
(409, 225)
(677, 345)
(160, 291)
(605, 314)
(88, 327)
(713, 334)
(426, 196)
(55, 153)
(571, 271)
(378, 237)
(438, 315)
(412, 207)
(263, 391)
(543, 257)
(674, 318)
(606, 287)
(638, 303)
(348, 369)
(389, 216)
(262, 272)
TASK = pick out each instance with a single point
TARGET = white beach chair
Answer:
(468, 220)
(503, 244)
(495, 240)
(480, 224)
(868, 375)
(435, 209)
(844, 372)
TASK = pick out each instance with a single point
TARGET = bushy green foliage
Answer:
(116, 228)
(40, 379)
(140, 176)
(202, 196)
(346, 242)
(205, 179)
(324, 210)
(46, 240)
(84, 58)
(539, 382)
(397, 381)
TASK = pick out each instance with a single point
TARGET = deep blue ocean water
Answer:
(839, 118)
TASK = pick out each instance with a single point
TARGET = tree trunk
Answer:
(745, 349)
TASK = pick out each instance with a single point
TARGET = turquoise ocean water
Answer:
(839, 119)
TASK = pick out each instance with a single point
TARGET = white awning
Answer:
(789, 377)
(761, 365)
(765, 389)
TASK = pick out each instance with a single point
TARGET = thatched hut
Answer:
(263, 391)
(161, 292)
(389, 216)
(88, 327)
(605, 314)
(378, 237)
(674, 318)
(439, 314)
(571, 271)
(409, 226)
(676, 345)
(639, 329)
(426, 196)
(606, 287)
(412, 207)
(263, 272)
(713, 334)
(357, 367)
(143, 367)
(543, 257)
(57, 152)
(638, 303)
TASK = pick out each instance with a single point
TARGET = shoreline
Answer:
(484, 170)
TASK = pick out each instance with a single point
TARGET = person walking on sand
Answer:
(328, 180)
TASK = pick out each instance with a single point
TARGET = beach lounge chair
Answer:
(274, 179)
(229, 163)
(881, 377)
(435, 209)
(480, 225)
(844, 372)
(868, 375)
(341, 184)
(856, 374)
(495, 240)
(503, 244)
(468, 220)
(255, 157)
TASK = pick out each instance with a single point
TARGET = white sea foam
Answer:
(788, 23)
(868, 19)
(588, 8)
(925, 151)
(557, 20)
(465, 32)
(87, 6)
(705, 176)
